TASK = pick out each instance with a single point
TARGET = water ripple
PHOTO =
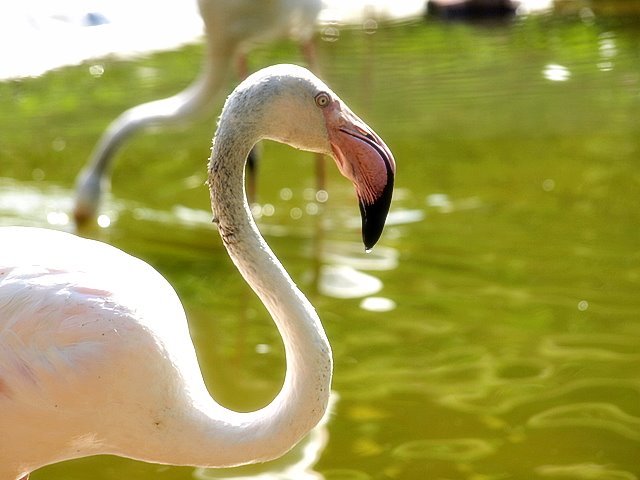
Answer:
(592, 415)
(457, 449)
(522, 369)
(506, 397)
(591, 346)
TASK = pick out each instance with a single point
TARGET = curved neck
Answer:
(271, 431)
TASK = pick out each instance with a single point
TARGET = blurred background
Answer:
(493, 333)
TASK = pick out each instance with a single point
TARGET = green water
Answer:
(494, 333)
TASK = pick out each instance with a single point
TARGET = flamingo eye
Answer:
(323, 99)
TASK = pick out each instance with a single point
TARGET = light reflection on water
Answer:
(28, 204)
(346, 282)
(494, 331)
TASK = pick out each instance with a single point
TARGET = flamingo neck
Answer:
(302, 401)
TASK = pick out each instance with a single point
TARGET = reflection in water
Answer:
(377, 304)
(342, 281)
(401, 216)
(608, 51)
(556, 73)
(340, 274)
(297, 464)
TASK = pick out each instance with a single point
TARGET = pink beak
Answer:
(363, 158)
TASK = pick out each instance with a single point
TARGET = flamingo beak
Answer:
(363, 158)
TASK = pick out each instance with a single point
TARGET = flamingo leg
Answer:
(310, 54)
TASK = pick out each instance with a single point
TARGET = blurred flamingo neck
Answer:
(197, 100)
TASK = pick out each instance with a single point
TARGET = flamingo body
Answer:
(244, 23)
(95, 353)
(76, 316)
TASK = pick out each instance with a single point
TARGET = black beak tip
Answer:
(374, 216)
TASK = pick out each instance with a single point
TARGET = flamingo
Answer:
(232, 27)
(95, 353)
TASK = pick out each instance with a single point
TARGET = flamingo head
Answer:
(305, 113)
